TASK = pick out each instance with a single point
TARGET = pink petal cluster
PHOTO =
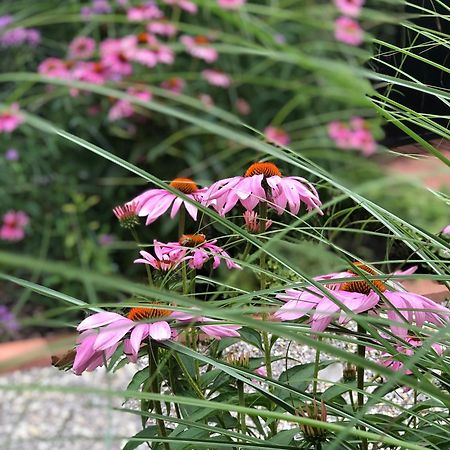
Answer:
(446, 230)
(185, 5)
(155, 202)
(13, 226)
(162, 27)
(407, 350)
(349, 31)
(123, 108)
(249, 190)
(167, 257)
(82, 47)
(216, 78)
(10, 118)
(199, 47)
(351, 8)
(231, 4)
(141, 13)
(252, 223)
(357, 136)
(277, 135)
(97, 7)
(243, 107)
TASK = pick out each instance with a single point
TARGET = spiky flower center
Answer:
(201, 40)
(192, 240)
(363, 287)
(239, 360)
(185, 185)
(267, 169)
(142, 37)
(127, 215)
(137, 314)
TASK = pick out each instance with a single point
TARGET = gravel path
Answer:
(32, 420)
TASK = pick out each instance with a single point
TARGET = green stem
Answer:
(240, 388)
(153, 368)
(360, 382)
(147, 268)
(316, 370)
(181, 221)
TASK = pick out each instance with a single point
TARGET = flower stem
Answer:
(316, 370)
(360, 382)
(240, 388)
(153, 359)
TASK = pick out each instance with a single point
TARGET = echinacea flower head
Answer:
(13, 227)
(350, 8)
(262, 182)
(147, 11)
(216, 78)
(175, 85)
(401, 307)
(277, 135)
(82, 47)
(406, 350)
(340, 133)
(10, 118)
(231, 4)
(185, 5)
(155, 202)
(348, 31)
(127, 215)
(162, 27)
(314, 410)
(199, 47)
(253, 224)
(166, 257)
(54, 68)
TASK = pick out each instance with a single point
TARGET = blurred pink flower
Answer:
(250, 189)
(277, 135)
(20, 36)
(198, 47)
(243, 107)
(348, 31)
(175, 85)
(261, 371)
(162, 27)
(13, 227)
(123, 108)
(446, 230)
(350, 8)
(151, 52)
(10, 118)
(216, 78)
(82, 47)
(12, 154)
(231, 4)
(407, 350)
(116, 55)
(144, 12)
(363, 140)
(207, 100)
(155, 202)
(89, 72)
(54, 68)
(185, 5)
(340, 133)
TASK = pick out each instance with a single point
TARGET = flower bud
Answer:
(127, 215)
(317, 412)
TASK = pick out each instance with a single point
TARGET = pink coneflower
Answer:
(127, 215)
(348, 31)
(10, 118)
(250, 190)
(147, 11)
(216, 78)
(5, 21)
(364, 141)
(151, 51)
(185, 5)
(155, 202)
(207, 100)
(243, 107)
(167, 258)
(162, 27)
(54, 68)
(340, 133)
(13, 227)
(20, 36)
(116, 55)
(102, 332)
(82, 47)
(175, 85)
(359, 296)
(199, 47)
(277, 135)
(252, 224)
(446, 230)
(123, 108)
(231, 4)
(406, 350)
(350, 8)
(90, 72)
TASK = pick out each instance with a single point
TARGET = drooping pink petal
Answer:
(113, 333)
(98, 320)
(160, 331)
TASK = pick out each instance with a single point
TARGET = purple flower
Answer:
(8, 320)
(5, 21)
(11, 154)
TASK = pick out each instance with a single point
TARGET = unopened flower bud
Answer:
(349, 373)
(252, 224)
(317, 412)
(238, 359)
(127, 215)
